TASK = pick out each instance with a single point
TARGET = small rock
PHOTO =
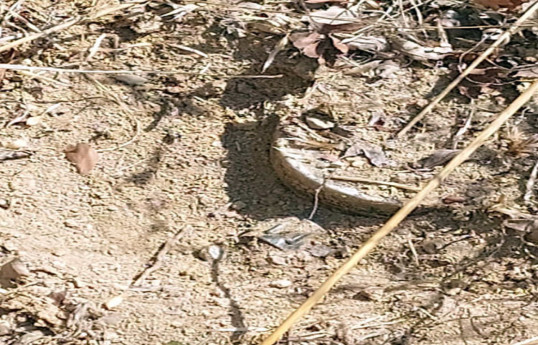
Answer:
(430, 246)
(280, 284)
(4, 204)
(113, 302)
(17, 144)
(5, 327)
(238, 205)
(369, 295)
(211, 253)
(130, 79)
(32, 121)
(111, 319)
(320, 251)
(277, 260)
(30, 338)
(71, 223)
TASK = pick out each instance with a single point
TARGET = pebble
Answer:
(211, 253)
(4, 204)
(280, 284)
(71, 223)
(113, 302)
(17, 144)
(277, 260)
(32, 121)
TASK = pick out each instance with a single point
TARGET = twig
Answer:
(383, 183)
(189, 49)
(158, 258)
(44, 78)
(93, 71)
(66, 25)
(529, 13)
(530, 183)
(37, 35)
(413, 250)
(465, 127)
(397, 218)
(316, 200)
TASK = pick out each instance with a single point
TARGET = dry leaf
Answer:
(339, 45)
(499, 4)
(307, 43)
(368, 43)
(334, 15)
(417, 52)
(373, 153)
(83, 156)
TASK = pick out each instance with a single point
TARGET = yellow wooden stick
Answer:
(400, 215)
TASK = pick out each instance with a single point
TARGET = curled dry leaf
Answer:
(83, 156)
(367, 43)
(334, 15)
(373, 153)
(417, 52)
(334, 19)
(319, 46)
(307, 43)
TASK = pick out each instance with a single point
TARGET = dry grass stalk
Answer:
(383, 183)
(66, 25)
(397, 218)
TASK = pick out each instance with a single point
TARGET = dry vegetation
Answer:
(137, 189)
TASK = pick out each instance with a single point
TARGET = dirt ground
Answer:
(184, 155)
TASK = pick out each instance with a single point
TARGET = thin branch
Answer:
(383, 183)
(93, 71)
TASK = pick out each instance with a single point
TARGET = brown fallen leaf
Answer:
(419, 52)
(83, 156)
(499, 4)
(373, 153)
